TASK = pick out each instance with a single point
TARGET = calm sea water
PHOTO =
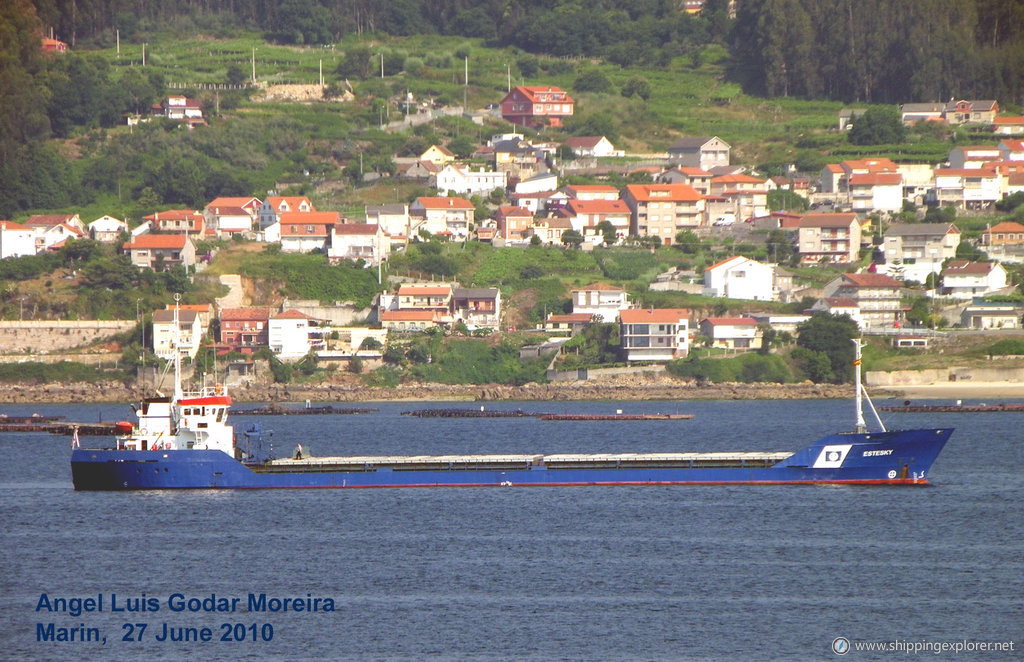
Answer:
(612, 573)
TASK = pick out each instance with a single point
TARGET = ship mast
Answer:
(862, 393)
(177, 350)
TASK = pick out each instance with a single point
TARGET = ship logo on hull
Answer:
(831, 457)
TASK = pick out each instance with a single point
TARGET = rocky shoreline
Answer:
(114, 392)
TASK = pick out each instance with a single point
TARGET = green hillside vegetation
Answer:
(643, 76)
(89, 280)
(311, 276)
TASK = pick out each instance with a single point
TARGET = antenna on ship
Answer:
(862, 392)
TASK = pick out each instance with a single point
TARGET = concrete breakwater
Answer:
(114, 392)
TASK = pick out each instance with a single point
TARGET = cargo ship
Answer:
(184, 441)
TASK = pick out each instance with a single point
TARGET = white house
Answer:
(268, 214)
(16, 240)
(302, 232)
(1011, 149)
(740, 278)
(465, 181)
(840, 306)
(183, 109)
(981, 314)
(655, 334)
(966, 188)
(592, 146)
(732, 332)
(545, 181)
(441, 215)
(591, 192)
(107, 229)
(914, 250)
(703, 152)
(876, 191)
(344, 342)
(190, 329)
(288, 334)
(393, 219)
(52, 229)
(600, 300)
(358, 241)
(973, 156)
(962, 279)
(477, 308)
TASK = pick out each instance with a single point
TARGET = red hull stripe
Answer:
(857, 481)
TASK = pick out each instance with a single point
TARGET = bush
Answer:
(745, 368)
(592, 80)
(1006, 347)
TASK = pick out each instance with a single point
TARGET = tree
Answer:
(592, 80)
(302, 22)
(687, 241)
(236, 75)
(945, 214)
(357, 63)
(786, 200)
(879, 125)
(920, 313)
(572, 238)
(462, 146)
(968, 251)
(830, 336)
(369, 344)
(528, 65)
(779, 247)
(602, 123)
(608, 233)
(637, 86)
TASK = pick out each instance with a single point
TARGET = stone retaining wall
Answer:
(40, 336)
(936, 376)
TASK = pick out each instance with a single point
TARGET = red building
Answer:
(245, 327)
(533, 105)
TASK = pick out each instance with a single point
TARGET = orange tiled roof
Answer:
(149, 241)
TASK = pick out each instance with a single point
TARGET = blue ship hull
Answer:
(889, 458)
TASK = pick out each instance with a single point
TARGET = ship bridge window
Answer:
(220, 414)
